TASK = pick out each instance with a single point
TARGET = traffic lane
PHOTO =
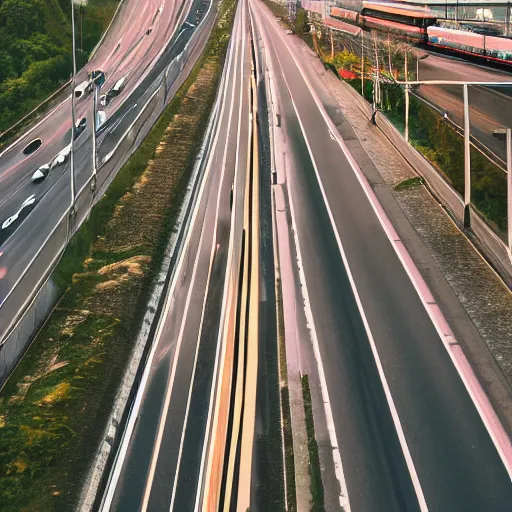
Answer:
(16, 167)
(136, 64)
(137, 46)
(20, 248)
(373, 463)
(19, 185)
(56, 116)
(123, 118)
(133, 482)
(439, 420)
(21, 182)
(133, 478)
(493, 107)
(436, 67)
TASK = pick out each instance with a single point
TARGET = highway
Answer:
(129, 50)
(161, 464)
(409, 434)
(490, 108)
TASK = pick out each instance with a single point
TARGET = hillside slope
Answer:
(35, 48)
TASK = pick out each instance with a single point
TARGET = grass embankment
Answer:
(54, 408)
(317, 488)
(289, 460)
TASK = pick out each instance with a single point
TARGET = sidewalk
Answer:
(473, 298)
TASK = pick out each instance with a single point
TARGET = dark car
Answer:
(80, 127)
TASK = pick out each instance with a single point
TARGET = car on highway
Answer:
(32, 146)
(105, 99)
(101, 119)
(12, 223)
(84, 88)
(41, 173)
(80, 127)
(61, 157)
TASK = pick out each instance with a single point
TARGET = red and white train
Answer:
(419, 24)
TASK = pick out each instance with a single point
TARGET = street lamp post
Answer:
(73, 121)
(509, 190)
(467, 161)
(406, 71)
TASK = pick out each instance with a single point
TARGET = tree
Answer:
(345, 60)
(6, 66)
(301, 21)
(22, 18)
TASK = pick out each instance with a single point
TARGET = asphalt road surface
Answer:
(490, 107)
(161, 466)
(445, 460)
(129, 51)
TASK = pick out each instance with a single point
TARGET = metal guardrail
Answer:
(4, 136)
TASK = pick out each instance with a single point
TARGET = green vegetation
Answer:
(429, 133)
(35, 49)
(54, 408)
(301, 21)
(279, 10)
(317, 488)
(409, 183)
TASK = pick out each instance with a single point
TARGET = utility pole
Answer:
(362, 63)
(406, 131)
(467, 161)
(94, 114)
(509, 190)
(81, 26)
(73, 122)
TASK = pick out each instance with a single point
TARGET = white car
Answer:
(115, 91)
(41, 174)
(10, 225)
(83, 88)
(101, 119)
(61, 157)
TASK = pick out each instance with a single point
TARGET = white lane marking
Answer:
(394, 413)
(118, 122)
(105, 506)
(338, 466)
(170, 385)
(212, 256)
(387, 391)
(110, 154)
(478, 396)
(163, 419)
